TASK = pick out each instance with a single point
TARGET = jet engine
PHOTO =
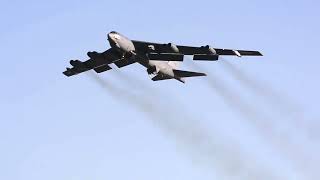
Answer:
(151, 48)
(209, 50)
(172, 48)
(93, 54)
(75, 63)
(153, 70)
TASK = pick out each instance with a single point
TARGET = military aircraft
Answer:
(161, 60)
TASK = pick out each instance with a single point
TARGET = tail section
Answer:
(178, 75)
(182, 74)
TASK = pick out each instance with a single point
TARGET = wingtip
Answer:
(69, 72)
(260, 54)
(65, 73)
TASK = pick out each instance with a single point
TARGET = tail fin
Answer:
(181, 74)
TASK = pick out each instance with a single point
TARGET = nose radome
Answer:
(109, 36)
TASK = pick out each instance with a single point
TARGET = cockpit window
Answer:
(117, 36)
(113, 32)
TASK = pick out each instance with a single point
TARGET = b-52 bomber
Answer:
(160, 59)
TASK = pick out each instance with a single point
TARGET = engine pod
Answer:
(76, 63)
(171, 48)
(93, 55)
(208, 50)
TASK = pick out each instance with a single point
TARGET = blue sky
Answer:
(253, 118)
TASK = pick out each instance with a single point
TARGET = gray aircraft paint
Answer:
(120, 42)
(125, 46)
(156, 57)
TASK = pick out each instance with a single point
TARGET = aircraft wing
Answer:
(203, 51)
(98, 62)
(188, 50)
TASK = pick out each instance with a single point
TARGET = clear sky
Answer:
(253, 118)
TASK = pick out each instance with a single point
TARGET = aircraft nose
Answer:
(109, 36)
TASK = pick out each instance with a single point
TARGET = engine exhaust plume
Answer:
(271, 96)
(227, 161)
(281, 137)
(233, 100)
(278, 103)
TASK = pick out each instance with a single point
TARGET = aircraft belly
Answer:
(163, 67)
(157, 63)
(167, 70)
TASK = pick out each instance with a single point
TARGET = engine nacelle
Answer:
(75, 63)
(209, 50)
(151, 48)
(93, 54)
(172, 47)
(153, 70)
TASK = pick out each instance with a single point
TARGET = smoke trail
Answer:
(196, 139)
(275, 99)
(274, 134)
(233, 100)
(277, 102)
(284, 106)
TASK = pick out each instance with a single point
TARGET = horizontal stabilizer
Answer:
(160, 77)
(230, 52)
(180, 73)
(249, 53)
(102, 68)
(166, 57)
(206, 57)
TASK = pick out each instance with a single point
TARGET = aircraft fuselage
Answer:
(126, 48)
(160, 60)
(121, 43)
